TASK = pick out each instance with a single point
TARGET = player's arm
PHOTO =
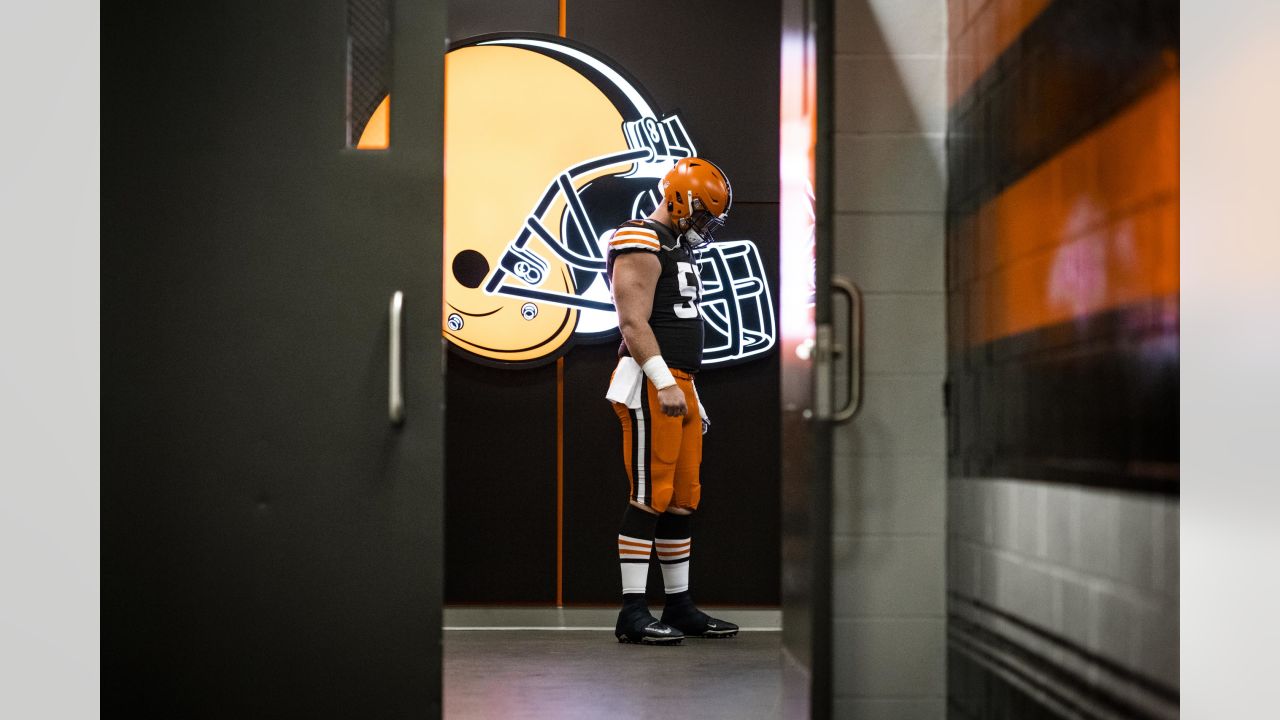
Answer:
(635, 278)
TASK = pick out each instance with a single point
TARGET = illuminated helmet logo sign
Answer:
(548, 147)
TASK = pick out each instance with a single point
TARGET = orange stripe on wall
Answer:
(980, 31)
(560, 438)
(1092, 229)
(560, 482)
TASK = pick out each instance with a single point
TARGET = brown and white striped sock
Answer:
(674, 541)
(635, 546)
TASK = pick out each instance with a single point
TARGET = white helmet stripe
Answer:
(632, 94)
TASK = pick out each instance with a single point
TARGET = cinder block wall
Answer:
(1063, 359)
(889, 520)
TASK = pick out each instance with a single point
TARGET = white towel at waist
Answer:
(628, 382)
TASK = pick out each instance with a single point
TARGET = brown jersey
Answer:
(676, 319)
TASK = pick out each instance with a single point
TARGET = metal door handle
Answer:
(395, 400)
(853, 351)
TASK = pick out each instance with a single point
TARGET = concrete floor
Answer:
(589, 675)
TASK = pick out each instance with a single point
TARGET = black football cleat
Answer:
(681, 614)
(642, 629)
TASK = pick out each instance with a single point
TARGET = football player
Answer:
(653, 268)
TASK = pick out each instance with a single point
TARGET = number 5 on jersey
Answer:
(688, 289)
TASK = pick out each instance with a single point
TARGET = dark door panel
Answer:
(271, 542)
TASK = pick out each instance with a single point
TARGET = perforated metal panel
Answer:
(368, 61)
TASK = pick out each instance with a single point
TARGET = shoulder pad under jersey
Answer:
(635, 236)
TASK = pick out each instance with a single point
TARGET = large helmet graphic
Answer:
(548, 147)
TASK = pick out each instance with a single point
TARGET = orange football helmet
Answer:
(698, 197)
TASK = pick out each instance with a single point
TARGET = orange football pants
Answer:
(662, 454)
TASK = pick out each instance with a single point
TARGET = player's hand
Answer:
(672, 400)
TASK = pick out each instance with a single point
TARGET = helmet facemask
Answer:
(701, 226)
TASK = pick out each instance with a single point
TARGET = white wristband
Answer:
(655, 368)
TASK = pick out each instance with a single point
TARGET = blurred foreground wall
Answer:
(1062, 362)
